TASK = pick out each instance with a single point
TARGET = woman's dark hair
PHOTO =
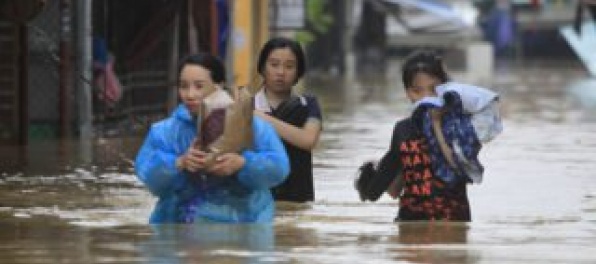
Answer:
(424, 61)
(279, 43)
(207, 61)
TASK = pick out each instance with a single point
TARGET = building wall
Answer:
(9, 82)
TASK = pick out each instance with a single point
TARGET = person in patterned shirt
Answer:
(420, 167)
(406, 171)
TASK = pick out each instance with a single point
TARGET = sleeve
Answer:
(388, 168)
(155, 165)
(314, 111)
(267, 163)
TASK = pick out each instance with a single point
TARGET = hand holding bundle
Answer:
(225, 123)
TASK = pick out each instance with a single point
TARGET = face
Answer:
(423, 85)
(280, 70)
(195, 84)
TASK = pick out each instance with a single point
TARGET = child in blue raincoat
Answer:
(168, 162)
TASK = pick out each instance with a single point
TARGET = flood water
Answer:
(81, 203)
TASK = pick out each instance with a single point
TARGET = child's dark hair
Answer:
(278, 43)
(207, 61)
(425, 61)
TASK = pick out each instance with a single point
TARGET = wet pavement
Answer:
(79, 202)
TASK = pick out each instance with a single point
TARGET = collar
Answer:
(261, 102)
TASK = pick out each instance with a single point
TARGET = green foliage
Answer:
(317, 18)
(304, 37)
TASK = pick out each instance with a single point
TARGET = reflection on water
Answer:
(209, 243)
(435, 243)
(79, 202)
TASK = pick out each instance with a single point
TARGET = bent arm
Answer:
(305, 137)
(155, 166)
(266, 164)
(437, 126)
(388, 169)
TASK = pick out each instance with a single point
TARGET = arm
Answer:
(155, 166)
(437, 124)
(388, 168)
(266, 164)
(305, 137)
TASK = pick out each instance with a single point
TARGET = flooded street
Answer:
(537, 203)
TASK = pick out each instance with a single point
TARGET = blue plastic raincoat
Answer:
(244, 197)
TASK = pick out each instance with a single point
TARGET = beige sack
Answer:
(226, 122)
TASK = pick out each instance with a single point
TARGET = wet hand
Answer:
(227, 164)
(193, 160)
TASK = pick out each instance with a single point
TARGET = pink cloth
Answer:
(109, 86)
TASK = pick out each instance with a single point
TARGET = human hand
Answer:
(227, 164)
(193, 160)
(261, 114)
(395, 188)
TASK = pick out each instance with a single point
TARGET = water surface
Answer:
(73, 202)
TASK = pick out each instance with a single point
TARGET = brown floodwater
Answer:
(79, 202)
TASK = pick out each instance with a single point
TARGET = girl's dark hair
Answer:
(207, 61)
(425, 61)
(279, 43)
